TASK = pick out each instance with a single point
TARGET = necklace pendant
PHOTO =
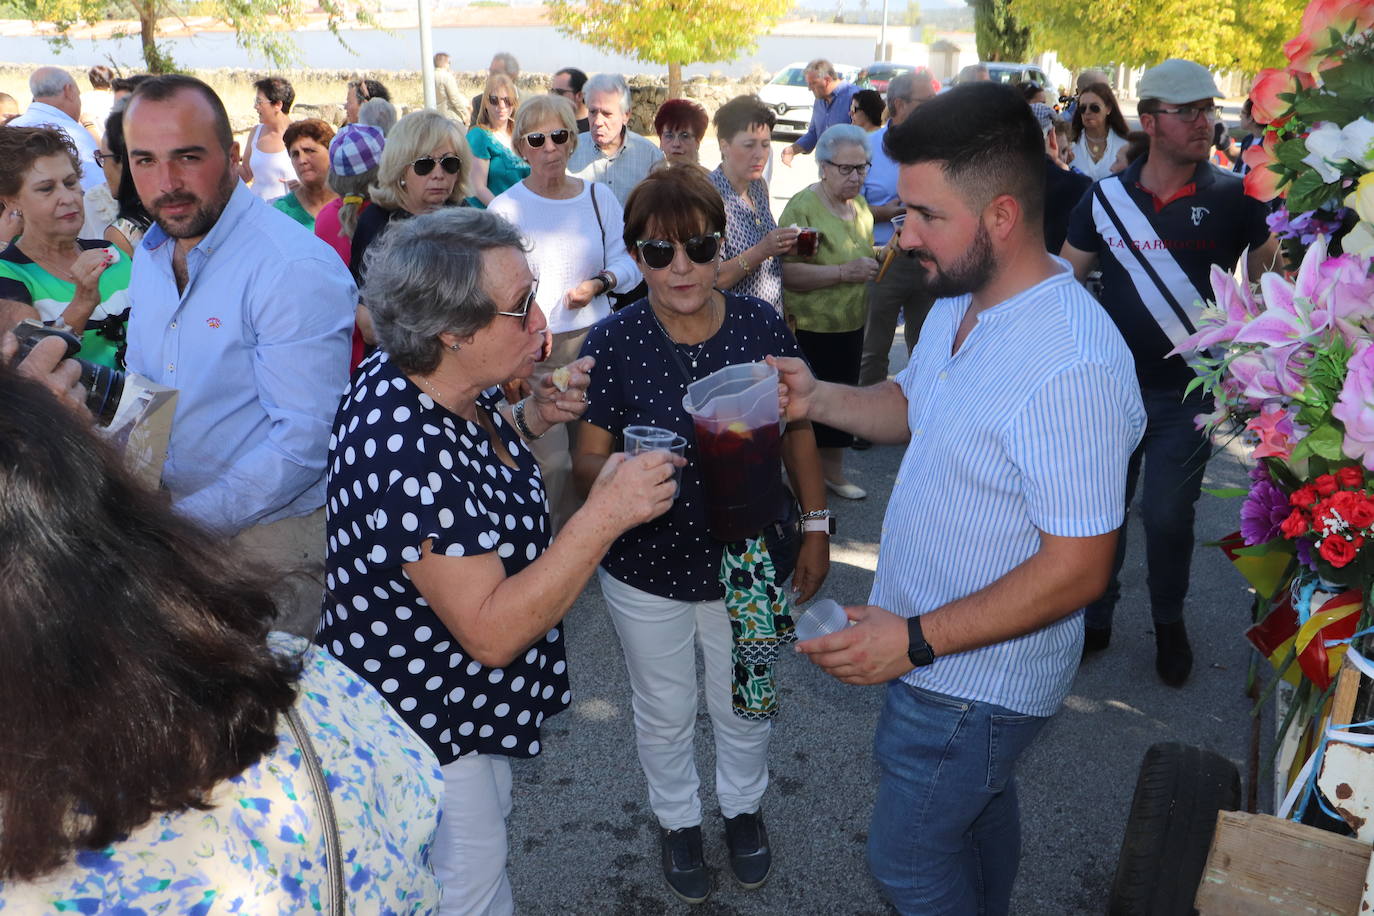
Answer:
(694, 364)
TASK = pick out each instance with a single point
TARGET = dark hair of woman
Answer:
(21, 147)
(675, 203)
(137, 675)
(743, 112)
(277, 89)
(322, 132)
(130, 204)
(870, 102)
(1116, 123)
(681, 114)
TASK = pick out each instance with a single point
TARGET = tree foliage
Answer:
(1243, 35)
(260, 26)
(999, 30)
(672, 32)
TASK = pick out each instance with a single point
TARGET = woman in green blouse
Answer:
(495, 166)
(826, 295)
(307, 142)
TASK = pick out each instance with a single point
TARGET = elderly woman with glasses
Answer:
(425, 165)
(668, 583)
(826, 293)
(49, 273)
(573, 228)
(680, 125)
(496, 165)
(444, 588)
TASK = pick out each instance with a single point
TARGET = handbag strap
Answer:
(334, 904)
(596, 208)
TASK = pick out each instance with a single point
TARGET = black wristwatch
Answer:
(918, 651)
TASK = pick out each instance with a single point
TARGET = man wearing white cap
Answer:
(1155, 230)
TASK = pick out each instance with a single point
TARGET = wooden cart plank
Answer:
(1263, 865)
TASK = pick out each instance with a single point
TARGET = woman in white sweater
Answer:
(574, 229)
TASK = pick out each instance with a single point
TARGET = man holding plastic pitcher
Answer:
(1002, 523)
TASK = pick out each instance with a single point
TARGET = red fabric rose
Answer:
(1360, 513)
(1326, 485)
(1351, 477)
(1295, 526)
(1337, 551)
(1303, 497)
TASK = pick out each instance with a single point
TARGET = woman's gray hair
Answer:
(539, 108)
(609, 82)
(425, 278)
(378, 113)
(839, 135)
(416, 135)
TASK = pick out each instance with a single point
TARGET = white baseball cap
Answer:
(1177, 81)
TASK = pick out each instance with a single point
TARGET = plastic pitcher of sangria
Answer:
(739, 441)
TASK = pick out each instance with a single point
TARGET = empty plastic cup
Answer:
(639, 439)
(821, 619)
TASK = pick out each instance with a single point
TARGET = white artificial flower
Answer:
(1360, 240)
(1358, 137)
(1326, 142)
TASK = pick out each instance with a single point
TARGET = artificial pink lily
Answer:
(1292, 314)
(1219, 323)
(1274, 426)
(1264, 375)
(1355, 406)
(1347, 289)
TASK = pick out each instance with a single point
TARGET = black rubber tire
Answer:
(1173, 816)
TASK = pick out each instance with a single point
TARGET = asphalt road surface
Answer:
(583, 840)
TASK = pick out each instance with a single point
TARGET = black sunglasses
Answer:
(425, 164)
(559, 137)
(659, 253)
(1093, 108)
(525, 306)
(101, 157)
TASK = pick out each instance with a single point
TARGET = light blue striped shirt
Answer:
(257, 344)
(1027, 428)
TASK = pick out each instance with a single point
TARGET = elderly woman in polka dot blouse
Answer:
(444, 590)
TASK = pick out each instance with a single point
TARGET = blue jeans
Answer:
(946, 831)
(1175, 454)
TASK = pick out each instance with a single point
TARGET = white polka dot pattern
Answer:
(444, 484)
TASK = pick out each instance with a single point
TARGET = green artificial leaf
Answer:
(1325, 441)
(1291, 153)
(1309, 192)
(1227, 492)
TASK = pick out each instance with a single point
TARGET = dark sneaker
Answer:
(1095, 639)
(750, 858)
(1173, 655)
(684, 865)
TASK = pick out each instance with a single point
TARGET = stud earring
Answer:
(453, 347)
(403, 182)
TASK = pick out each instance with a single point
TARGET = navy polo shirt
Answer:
(1063, 190)
(1212, 225)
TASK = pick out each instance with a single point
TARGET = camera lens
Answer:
(104, 387)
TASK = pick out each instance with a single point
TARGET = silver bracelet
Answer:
(517, 414)
(816, 513)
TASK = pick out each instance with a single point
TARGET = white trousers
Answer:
(469, 854)
(657, 636)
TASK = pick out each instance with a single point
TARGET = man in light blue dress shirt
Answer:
(831, 107)
(1021, 411)
(249, 316)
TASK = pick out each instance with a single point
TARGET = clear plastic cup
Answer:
(640, 439)
(822, 618)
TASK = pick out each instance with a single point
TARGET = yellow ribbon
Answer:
(352, 199)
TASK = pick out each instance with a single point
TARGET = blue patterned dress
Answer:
(745, 228)
(260, 849)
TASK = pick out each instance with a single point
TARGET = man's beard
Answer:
(969, 274)
(202, 219)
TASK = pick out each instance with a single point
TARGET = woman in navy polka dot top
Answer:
(443, 589)
(662, 579)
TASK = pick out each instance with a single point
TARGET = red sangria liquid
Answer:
(743, 483)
